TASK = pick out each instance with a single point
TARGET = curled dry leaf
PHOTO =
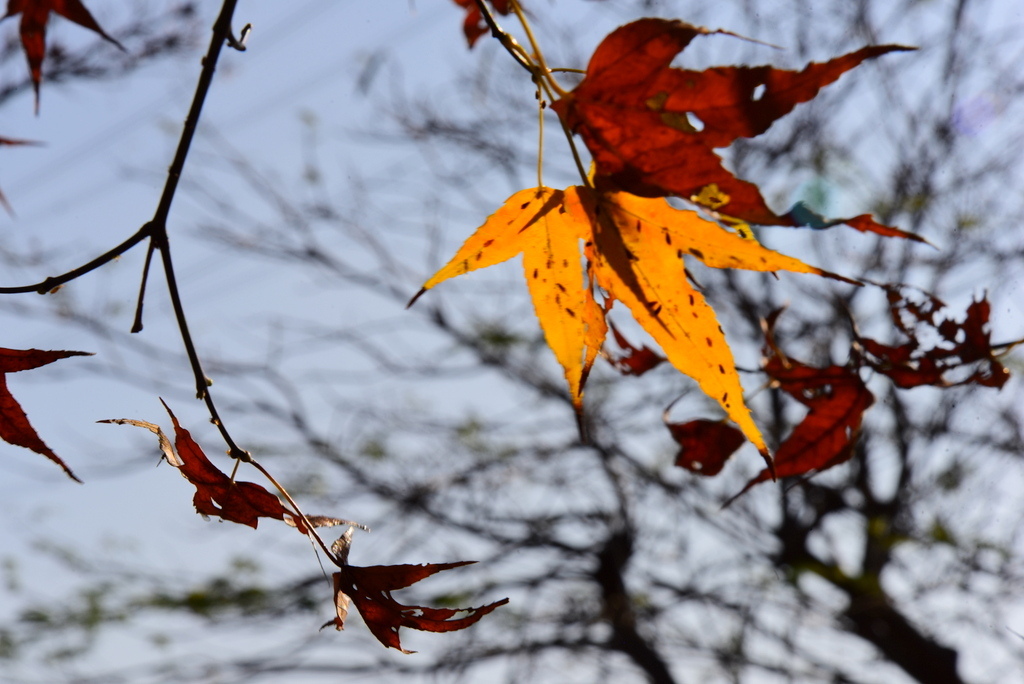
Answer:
(325, 521)
(14, 426)
(369, 588)
(652, 129)
(34, 16)
(216, 493)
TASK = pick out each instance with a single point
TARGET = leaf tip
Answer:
(415, 297)
(581, 425)
(769, 462)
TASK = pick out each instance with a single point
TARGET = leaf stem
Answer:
(540, 72)
(311, 530)
(545, 72)
(541, 106)
(506, 40)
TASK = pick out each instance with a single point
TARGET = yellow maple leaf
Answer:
(535, 222)
(634, 248)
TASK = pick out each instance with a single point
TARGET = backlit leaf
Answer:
(652, 129)
(539, 224)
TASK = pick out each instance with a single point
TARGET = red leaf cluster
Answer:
(14, 426)
(35, 14)
(370, 589)
(836, 397)
(474, 25)
(962, 346)
(652, 129)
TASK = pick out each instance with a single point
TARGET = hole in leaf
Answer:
(695, 121)
(758, 92)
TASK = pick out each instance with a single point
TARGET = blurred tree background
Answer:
(446, 428)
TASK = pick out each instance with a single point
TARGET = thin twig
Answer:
(54, 282)
(221, 32)
(137, 322)
(507, 41)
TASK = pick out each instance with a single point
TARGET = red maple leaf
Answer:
(14, 426)
(705, 445)
(34, 16)
(963, 347)
(632, 361)
(652, 129)
(836, 399)
(370, 589)
(219, 495)
(474, 25)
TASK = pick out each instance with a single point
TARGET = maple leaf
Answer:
(633, 361)
(14, 426)
(370, 589)
(652, 129)
(634, 247)
(216, 493)
(474, 25)
(537, 224)
(836, 399)
(961, 346)
(704, 445)
(637, 254)
(34, 16)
